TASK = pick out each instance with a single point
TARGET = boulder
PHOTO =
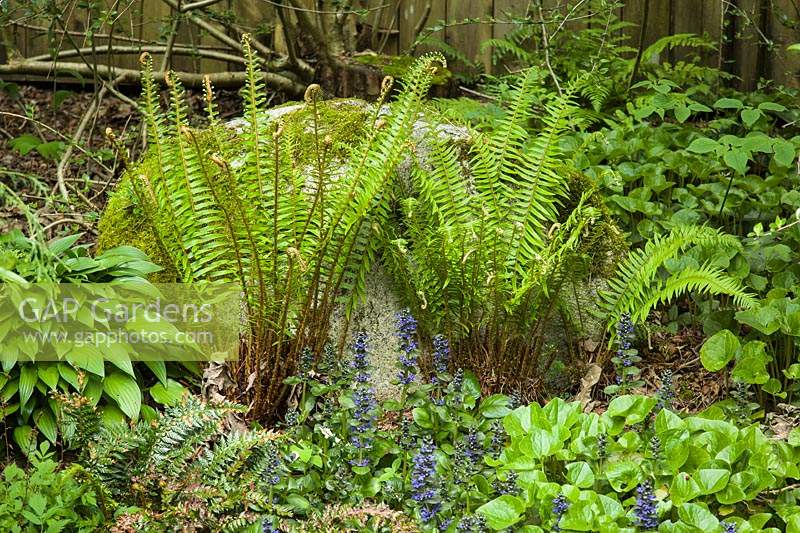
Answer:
(344, 121)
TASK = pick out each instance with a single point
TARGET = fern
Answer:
(669, 42)
(184, 458)
(482, 247)
(637, 287)
(245, 209)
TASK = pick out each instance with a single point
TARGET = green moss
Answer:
(397, 66)
(124, 223)
(342, 124)
(604, 244)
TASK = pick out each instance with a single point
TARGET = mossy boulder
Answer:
(342, 124)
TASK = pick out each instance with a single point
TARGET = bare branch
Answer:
(153, 49)
(274, 80)
(198, 5)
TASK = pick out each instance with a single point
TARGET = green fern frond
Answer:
(669, 42)
(637, 286)
(705, 279)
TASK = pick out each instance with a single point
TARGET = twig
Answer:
(321, 12)
(166, 61)
(198, 5)
(546, 43)
(68, 221)
(476, 93)
(76, 137)
(642, 29)
(426, 13)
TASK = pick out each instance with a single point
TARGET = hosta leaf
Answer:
(124, 390)
(46, 422)
(167, 395)
(28, 376)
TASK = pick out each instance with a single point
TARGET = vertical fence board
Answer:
(783, 65)
(744, 54)
(467, 38)
(686, 17)
(748, 44)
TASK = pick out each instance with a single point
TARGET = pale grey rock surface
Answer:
(377, 314)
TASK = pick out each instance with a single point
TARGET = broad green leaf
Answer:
(24, 143)
(169, 395)
(718, 350)
(711, 480)
(580, 474)
(49, 375)
(635, 408)
(23, 436)
(495, 406)
(728, 103)
(502, 512)
(737, 160)
(623, 475)
(784, 152)
(159, 369)
(750, 116)
(543, 443)
(422, 417)
(682, 113)
(46, 422)
(751, 367)
(28, 376)
(771, 106)
(703, 145)
(124, 390)
(698, 517)
(764, 318)
(683, 488)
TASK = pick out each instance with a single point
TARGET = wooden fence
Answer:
(752, 34)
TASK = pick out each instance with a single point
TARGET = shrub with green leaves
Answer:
(44, 497)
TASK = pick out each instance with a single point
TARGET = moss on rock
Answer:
(342, 123)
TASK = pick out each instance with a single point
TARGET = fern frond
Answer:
(705, 279)
(538, 186)
(636, 285)
(673, 41)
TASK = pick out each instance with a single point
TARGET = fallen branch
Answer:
(153, 49)
(273, 80)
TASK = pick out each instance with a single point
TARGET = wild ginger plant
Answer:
(244, 208)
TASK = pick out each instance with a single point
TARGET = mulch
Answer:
(57, 111)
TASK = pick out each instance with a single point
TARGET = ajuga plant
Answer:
(482, 258)
(244, 208)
